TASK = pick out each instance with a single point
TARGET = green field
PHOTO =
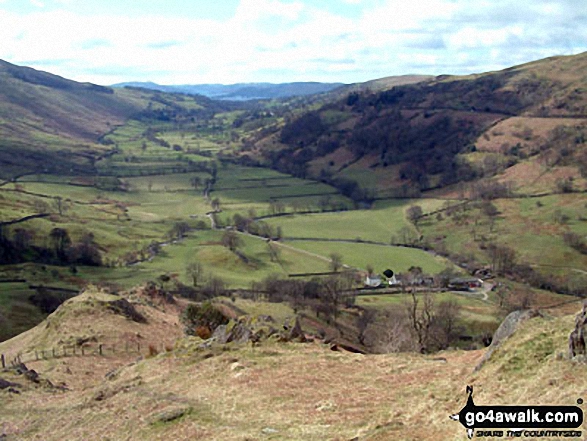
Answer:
(381, 257)
(205, 247)
(533, 227)
(16, 313)
(378, 224)
(242, 189)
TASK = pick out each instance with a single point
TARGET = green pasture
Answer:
(205, 247)
(265, 194)
(378, 224)
(17, 314)
(527, 225)
(169, 182)
(381, 257)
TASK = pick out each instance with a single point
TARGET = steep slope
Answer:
(281, 391)
(432, 134)
(52, 124)
(44, 115)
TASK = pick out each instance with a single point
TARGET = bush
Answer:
(205, 315)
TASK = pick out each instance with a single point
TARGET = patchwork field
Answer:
(533, 227)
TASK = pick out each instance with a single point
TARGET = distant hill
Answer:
(49, 123)
(241, 91)
(526, 126)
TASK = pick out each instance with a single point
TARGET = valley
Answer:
(125, 210)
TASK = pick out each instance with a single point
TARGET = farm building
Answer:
(372, 281)
(465, 283)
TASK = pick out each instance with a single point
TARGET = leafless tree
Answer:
(420, 320)
(363, 321)
(446, 323)
(335, 262)
(195, 270)
(502, 257)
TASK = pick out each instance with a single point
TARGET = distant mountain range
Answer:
(241, 91)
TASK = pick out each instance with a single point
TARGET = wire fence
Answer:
(98, 349)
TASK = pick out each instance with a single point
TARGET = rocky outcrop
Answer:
(125, 308)
(577, 337)
(505, 330)
(255, 329)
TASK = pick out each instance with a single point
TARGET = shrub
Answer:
(203, 332)
(202, 316)
(153, 351)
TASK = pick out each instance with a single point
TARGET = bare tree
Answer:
(363, 321)
(195, 270)
(195, 182)
(274, 251)
(421, 320)
(334, 288)
(178, 230)
(502, 257)
(395, 335)
(446, 323)
(335, 262)
(61, 240)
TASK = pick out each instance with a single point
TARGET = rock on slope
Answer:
(279, 391)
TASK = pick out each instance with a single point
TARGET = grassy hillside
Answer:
(51, 124)
(279, 391)
(502, 126)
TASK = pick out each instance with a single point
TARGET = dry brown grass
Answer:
(290, 391)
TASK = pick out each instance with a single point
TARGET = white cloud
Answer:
(273, 40)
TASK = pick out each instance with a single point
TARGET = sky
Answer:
(234, 41)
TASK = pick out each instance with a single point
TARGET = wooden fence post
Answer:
(100, 349)
(3, 362)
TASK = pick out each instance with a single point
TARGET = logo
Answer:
(519, 420)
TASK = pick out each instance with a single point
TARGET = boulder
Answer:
(577, 337)
(169, 415)
(505, 330)
(255, 329)
(125, 308)
(5, 384)
(292, 331)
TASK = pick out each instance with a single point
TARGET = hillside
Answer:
(52, 124)
(272, 390)
(45, 115)
(525, 121)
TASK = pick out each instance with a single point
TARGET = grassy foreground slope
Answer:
(278, 391)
